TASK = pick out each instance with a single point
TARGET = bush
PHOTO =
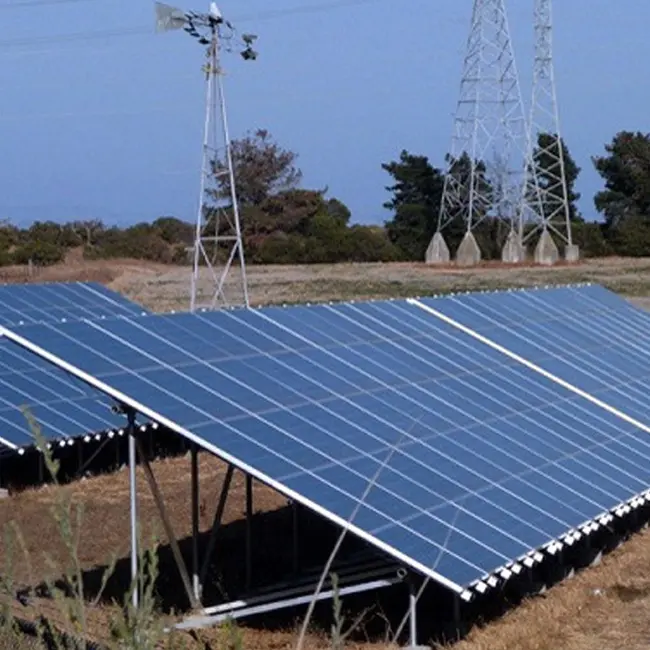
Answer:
(631, 238)
(42, 253)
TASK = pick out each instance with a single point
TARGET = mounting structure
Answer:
(548, 190)
(218, 239)
(486, 171)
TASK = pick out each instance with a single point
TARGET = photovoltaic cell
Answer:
(43, 302)
(62, 405)
(474, 458)
(585, 335)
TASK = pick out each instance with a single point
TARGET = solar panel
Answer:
(63, 406)
(584, 335)
(477, 460)
(36, 303)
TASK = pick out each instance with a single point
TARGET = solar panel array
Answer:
(476, 458)
(62, 405)
(45, 302)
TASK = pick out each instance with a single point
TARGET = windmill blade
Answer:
(168, 17)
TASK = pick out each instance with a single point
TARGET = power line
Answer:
(141, 31)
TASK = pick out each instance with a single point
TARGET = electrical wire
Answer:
(323, 7)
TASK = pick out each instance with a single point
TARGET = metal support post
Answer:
(249, 531)
(196, 584)
(216, 524)
(413, 603)
(133, 494)
(171, 537)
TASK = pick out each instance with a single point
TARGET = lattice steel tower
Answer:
(486, 166)
(218, 242)
(548, 212)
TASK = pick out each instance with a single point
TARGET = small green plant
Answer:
(134, 628)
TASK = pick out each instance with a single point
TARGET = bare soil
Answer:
(604, 607)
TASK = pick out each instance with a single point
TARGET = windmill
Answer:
(218, 243)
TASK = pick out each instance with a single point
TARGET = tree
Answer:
(626, 171)
(549, 172)
(262, 168)
(417, 192)
(339, 211)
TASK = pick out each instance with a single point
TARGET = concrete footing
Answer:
(437, 251)
(468, 254)
(513, 251)
(572, 253)
(546, 251)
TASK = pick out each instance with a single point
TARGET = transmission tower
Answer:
(218, 243)
(548, 212)
(486, 165)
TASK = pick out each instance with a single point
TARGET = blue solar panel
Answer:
(63, 406)
(37, 303)
(584, 335)
(485, 459)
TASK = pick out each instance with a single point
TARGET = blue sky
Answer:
(110, 127)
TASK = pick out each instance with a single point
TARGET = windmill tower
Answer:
(486, 165)
(218, 243)
(547, 217)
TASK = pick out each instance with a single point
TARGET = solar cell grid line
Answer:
(405, 477)
(550, 345)
(384, 319)
(329, 327)
(253, 471)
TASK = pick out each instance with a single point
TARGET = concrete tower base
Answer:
(468, 254)
(572, 253)
(437, 251)
(513, 251)
(546, 251)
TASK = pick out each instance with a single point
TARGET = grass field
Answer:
(604, 607)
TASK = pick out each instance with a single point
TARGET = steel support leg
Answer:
(413, 603)
(196, 584)
(249, 530)
(225, 488)
(171, 537)
(133, 493)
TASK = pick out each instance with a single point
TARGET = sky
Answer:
(100, 117)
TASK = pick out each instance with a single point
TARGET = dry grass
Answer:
(604, 607)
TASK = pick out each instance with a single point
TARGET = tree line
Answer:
(284, 223)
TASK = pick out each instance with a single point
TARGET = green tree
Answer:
(339, 211)
(261, 166)
(417, 192)
(626, 172)
(548, 156)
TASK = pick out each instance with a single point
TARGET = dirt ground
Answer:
(603, 607)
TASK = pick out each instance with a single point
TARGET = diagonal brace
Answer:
(225, 488)
(171, 537)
